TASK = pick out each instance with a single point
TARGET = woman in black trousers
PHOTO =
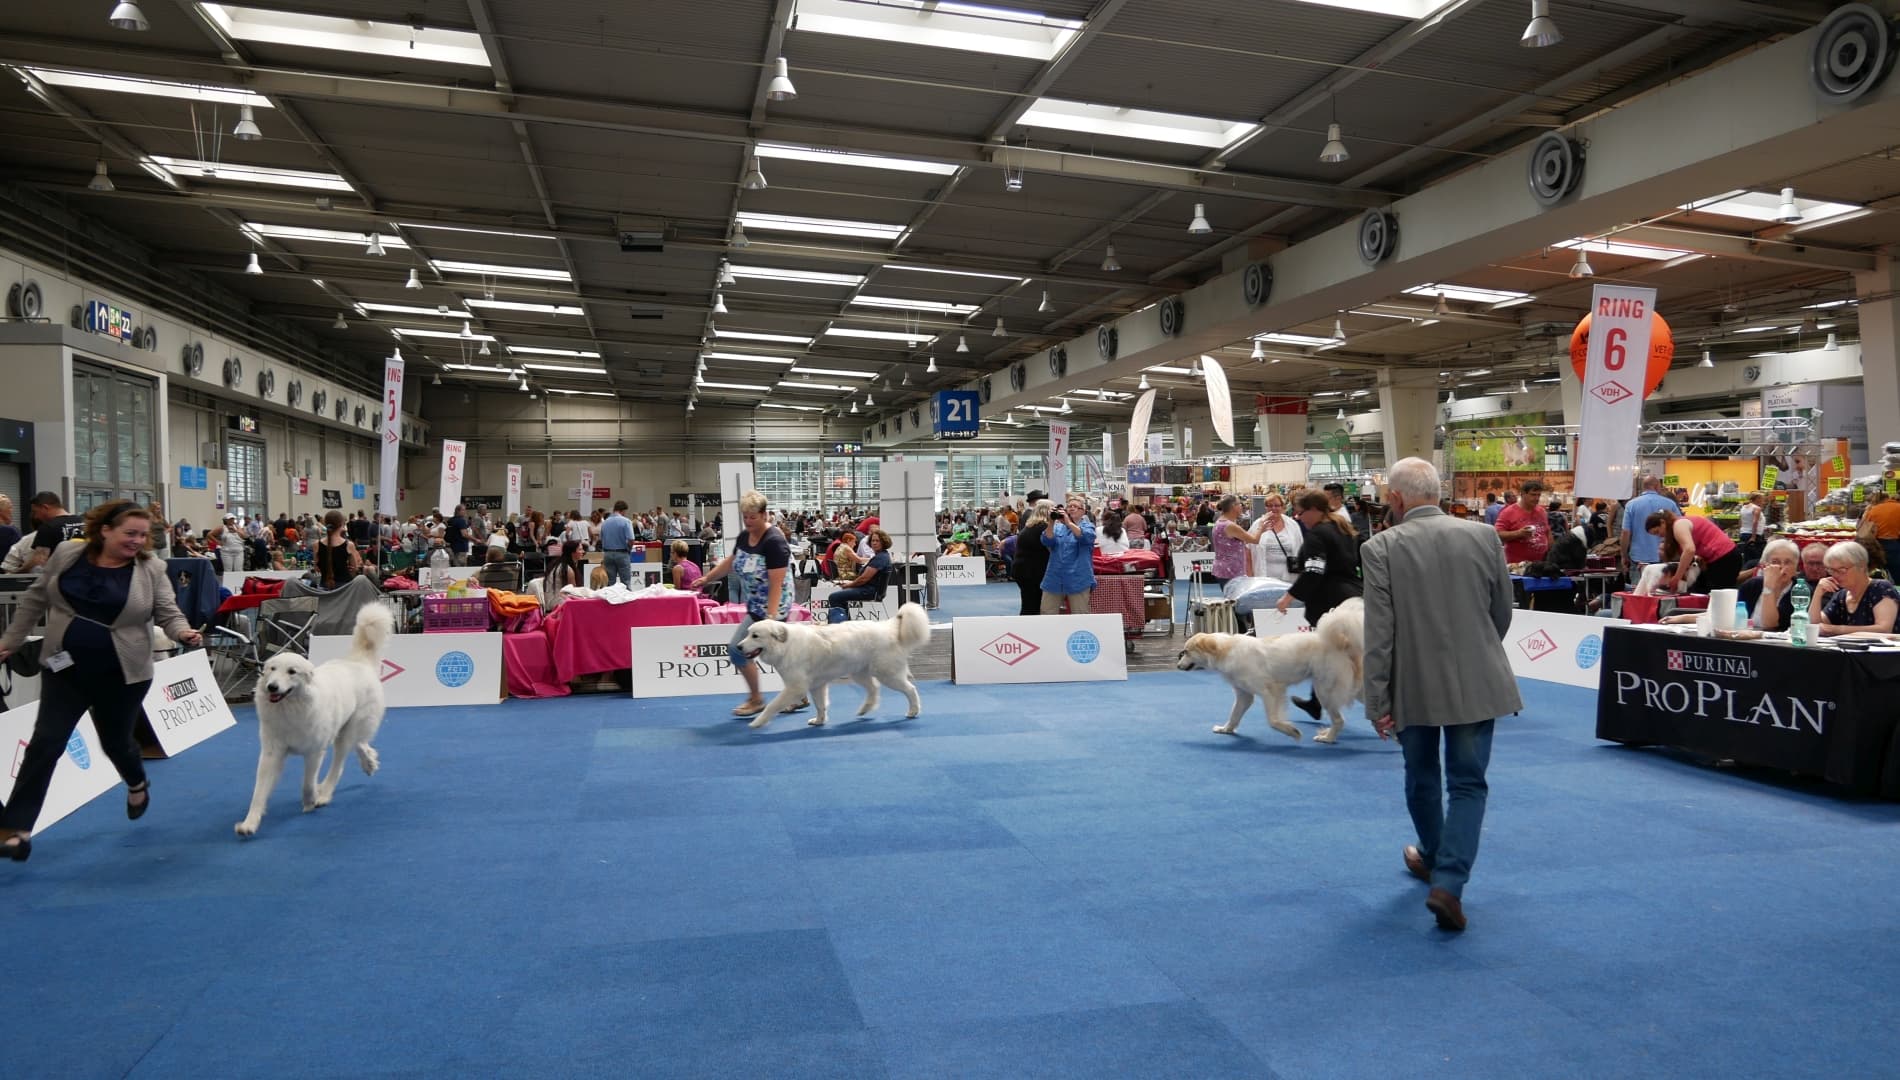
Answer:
(1032, 558)
(1329, 567)
(100, 598)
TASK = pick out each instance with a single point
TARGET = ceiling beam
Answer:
(1731, 246)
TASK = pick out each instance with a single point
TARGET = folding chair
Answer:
(234, 661)
(285, 624)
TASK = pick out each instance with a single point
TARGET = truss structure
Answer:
(1736, 437)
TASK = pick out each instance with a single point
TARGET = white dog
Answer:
(810, 658)
(1333, 657)
(1650, 583)
(303, 708)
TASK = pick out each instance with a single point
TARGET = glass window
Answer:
(244, 465)
(114, 436)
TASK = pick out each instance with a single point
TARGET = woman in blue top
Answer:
(871, 582)
(1070, 539)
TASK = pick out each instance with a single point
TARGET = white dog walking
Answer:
(810, 658)
(1333, 656)
(303, 709)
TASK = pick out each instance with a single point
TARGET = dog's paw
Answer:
(246, 828)
(1327, 736)
(816, 721)
(367, 757)
(311, 805)
(760, 722)
(319, 802)
(912, 715)
(1223, 729)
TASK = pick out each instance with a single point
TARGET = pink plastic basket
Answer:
(454, 614)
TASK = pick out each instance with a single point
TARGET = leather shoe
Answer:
(1415, 864)
(1446, 909)
(1309, 706)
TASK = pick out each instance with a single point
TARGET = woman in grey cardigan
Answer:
(100, 598)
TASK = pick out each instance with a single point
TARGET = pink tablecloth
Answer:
(529, 663)
(735, 613)
(590, 636)
(1120, 594)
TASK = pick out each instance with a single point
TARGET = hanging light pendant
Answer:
(375, 246)
(1340, 415)
(1335, 150)
(467, 334)
(1198, 225)
(511, 374)
(1833, 343)
(1041, 309)
(868, 403)
(854, 408)
(340, 323)
(414, 282)
(437, 381)
(127, 16)
(102, 183)
(1109, 263)
(725, 273)
(719, 304)
(1708, 359)
(1144, 382)
(1542, 32)
(780, 88)
(252, 267)
(1339, 331)
(738, 235)
(1582, 268)
(1789, 213)
(962, 344)
(999, 331)
(1259, 351)
(754, 178)
(484, 350)
(246, 129)
(932, 369)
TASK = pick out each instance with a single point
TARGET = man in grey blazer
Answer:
(1438, 604)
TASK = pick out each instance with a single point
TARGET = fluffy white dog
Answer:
(1650, 583)
(809, 658)
(303, 708)
(1333, 656)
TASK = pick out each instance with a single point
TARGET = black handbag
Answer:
(25, 660)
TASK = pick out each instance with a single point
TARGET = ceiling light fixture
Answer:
(484, 350)
(1341, 414)
(1542, 32)
(468, 333)
(780, 88)
(100, 181)
(1833, 344)
(1199, 226)
(854, 408)
(1109, 263)
(754, 178)
(1339, 332)
(1259, 350)
(689, 404)
(962, 344)
(252, 267)
(437, 381)
(932, 369)
(738, 235)
(1582, 268)
(246, 129)
(340, 323)
(1041, 309)
(1788, 213)
(999, 331)
(1708, 359)
(719, 304)
(511, 375)
(127, 16)
(725, 273)
(414, 282)
(1335, 150)
(1144, 382)
(868, 403)
(375, 245)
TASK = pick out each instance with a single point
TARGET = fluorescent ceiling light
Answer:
(123, 84)
(349, 35)
(1104, 395)
(254, 174)
(794, 384)
(158, 170)
(867, 230)
(483, 368)
(731, 386)
(1398, 9)
(321, 236)
(943, 306)
(956, 273)
(1759, 329)
(1297, 339)
(1627, 250)
(1470, 294)
(404, 331)
(749, 358)
(477, 232)
(1169, 369)
(1827, 304)
(940, 24)
(405, 309)
(510, 305)
(535, 350)
(808, 277)
(878, 335)
(749, 335)
(580, 393)
(535, 273)
(1766, 206)
(841, 157)
(800, 408)
(1136, 123)
(564, 367)
(839, 372)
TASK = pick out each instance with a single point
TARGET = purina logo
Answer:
(704, 652)
(1695, 663)
(181, 688)
(1611, 392)
(1010, 649)
(1538, 645)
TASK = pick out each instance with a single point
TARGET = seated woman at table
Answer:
(870, 582)
(686, 572)
(844, 556)
(1688, 539)
(1848, 601)
(498, 571)
(562, 572)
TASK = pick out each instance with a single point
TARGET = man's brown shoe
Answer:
(1446, 909)
(1415, 864)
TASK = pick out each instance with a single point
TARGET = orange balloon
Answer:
(1662, 350)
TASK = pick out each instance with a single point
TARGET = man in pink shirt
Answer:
(1524, 526)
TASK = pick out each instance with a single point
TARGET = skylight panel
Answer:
(879, 335)
(800, 408)
(956, 273)
(477, 232)
(1624, 248)
(405, 309)
(483, 368)
(749, 358)
(1398, 9)
(533, 273)
(864, 230)
(789, 152)
(1471, 294)
(253, 174)
(125, 84)
(408, 332)
(731, 386)
(579, 393)
(1295, 339)
(750, 335)
(834, 372)
(539, 309)
(808, 277)
(349, 35)
(940, 24)
(321, 236)
(943, 306)
(535, 350)
(795, 384)
(1136, 123)
(1766, 206)
(570, 368)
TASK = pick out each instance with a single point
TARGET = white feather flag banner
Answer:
(1220, 400)
(1138, 427)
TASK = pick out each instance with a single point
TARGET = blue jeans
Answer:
(1447, 834)
(837, 600)
(740, 661)
(619, 566)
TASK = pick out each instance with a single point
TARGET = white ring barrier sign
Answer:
(430, 669)
(686, 661)
(1037, 649)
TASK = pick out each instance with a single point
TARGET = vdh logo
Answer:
(704, 652)
(391, 670)
(1538, 645)
(1611, 392)
(181, 688)
(1010, 649)
(1731, 667)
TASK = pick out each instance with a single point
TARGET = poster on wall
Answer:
(454, 464)
(218, 498)
(1513, 453)
(332, 499)
(392, 434)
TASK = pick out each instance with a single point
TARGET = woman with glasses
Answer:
(1847, 600)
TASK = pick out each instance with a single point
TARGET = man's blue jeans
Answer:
(619, 566)
(1447, 827)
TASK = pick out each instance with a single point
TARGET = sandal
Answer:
(18, 848)
(749, 708)
(135, 812)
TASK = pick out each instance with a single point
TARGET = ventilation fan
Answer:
(1256, 284)
(266, 383)
(342, 408)
(318, 400)
(984, 389)
(1018, 376)
(194, 359)
(23, 300)
(1173, 312)
(293, 394)
(360, 412)
(1107, 340)
(1058, 362)
(233, 372)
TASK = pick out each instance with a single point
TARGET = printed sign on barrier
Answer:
(865, 611)
(1186, 562)
(1270, 623)
(959, 570)
(1038, 648)
(687, 661)
(82, 775)
(184, 705)
(430, 669)
(1553, 647)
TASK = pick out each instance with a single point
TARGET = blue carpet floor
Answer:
(1026, 882)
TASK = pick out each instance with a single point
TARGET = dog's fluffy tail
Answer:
(374, 624)
(1343, 629)
(913, 627)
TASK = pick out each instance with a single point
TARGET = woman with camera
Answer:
(100, 599)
